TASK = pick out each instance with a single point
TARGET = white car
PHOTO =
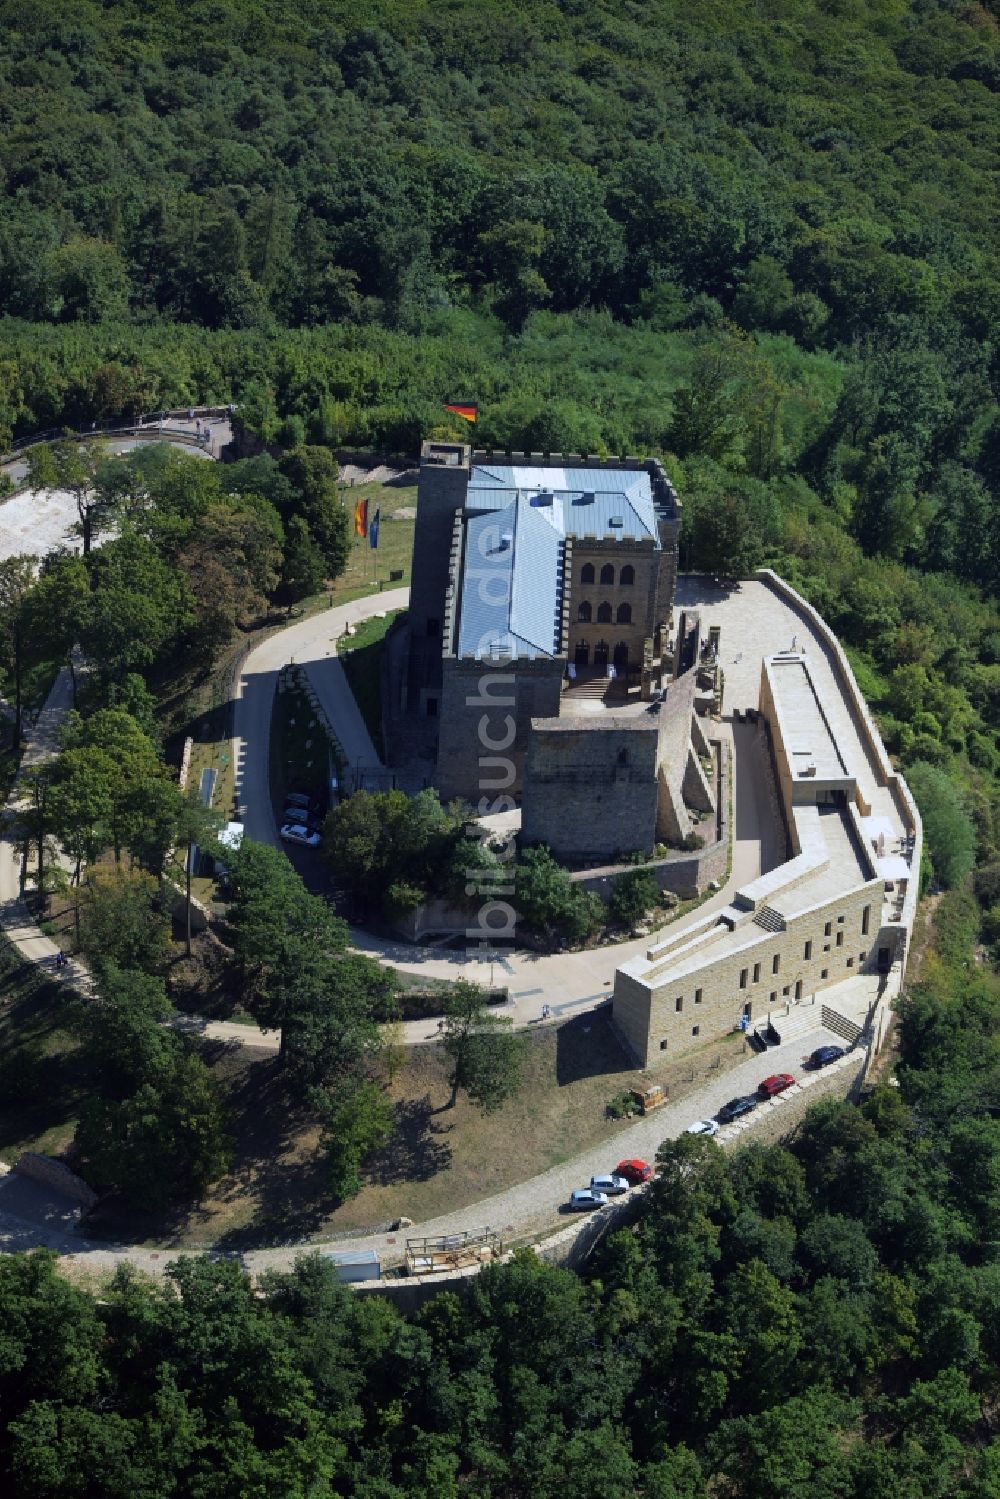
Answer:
(293, 832)
(611, 1186)
(585, 1200)
(707, 1127)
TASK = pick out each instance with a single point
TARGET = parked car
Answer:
(777, 1083)
(634, 1171)
(824, 1055)
(585, 1200)
(707, 1127)
(294, 832)
(736, 1108)
(611, 1186)
(302, 818)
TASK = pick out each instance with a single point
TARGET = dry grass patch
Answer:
(439, 1160)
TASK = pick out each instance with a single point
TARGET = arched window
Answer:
(624, 615)
(627, 575)
(587, 573)
(604, 614)
(607, 573)
(583, 614)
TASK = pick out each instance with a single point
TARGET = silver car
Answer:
(707, 1127)
(294, 832)
(611, 1186)
(585, 1200)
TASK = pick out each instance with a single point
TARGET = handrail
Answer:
(117, 426)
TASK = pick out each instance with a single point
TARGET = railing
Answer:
(118, 426)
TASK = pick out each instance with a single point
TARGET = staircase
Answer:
(799, 1020)
(768, 918)
(840, 1025)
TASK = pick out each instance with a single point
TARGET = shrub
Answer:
(632, 897)
(950, 835)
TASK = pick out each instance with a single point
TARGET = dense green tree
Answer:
(486, 1057)
(17, 579)
(166, 1140)
(121, 922)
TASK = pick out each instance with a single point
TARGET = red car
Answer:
(634, 1171)
(776, 1084)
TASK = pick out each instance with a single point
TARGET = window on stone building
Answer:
(607, 573)
(840, 921)
(627, 575)
(756, 973)
(786, 990)
(807, 951)
(776, 962)
(826, 947)
(679, 1003)
(828, 929)
(624, 615)
(663, 1044)
(865, 918)
(584, 612)
(798, 988)
(862, 956)
(743, 978)
(824, 973)
(695, 1030)
(697, 996)
(840, 939)
(850, 962)
(434, 627)
(587, 573)
(604, 614)
(774, 995)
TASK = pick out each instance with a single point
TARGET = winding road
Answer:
(568, 983)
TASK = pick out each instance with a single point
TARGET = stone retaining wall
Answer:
(52, 1173)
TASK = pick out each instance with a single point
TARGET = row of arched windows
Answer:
(623, 615)
(625, 578)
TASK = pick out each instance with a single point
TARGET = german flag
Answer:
(467, 410)
(361, 518)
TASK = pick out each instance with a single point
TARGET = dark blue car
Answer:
(824, 1055)
(736, 1108)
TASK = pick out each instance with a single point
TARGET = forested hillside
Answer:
(758, 240)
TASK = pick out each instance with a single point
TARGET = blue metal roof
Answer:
(518, 519)
(511, 575)
(586, 501)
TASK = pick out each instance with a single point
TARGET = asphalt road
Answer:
(312, 643)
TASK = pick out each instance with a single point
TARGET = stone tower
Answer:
(444, 480)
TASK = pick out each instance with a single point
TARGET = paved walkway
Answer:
(311, 643)
(37, 521)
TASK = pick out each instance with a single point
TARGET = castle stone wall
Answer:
(485, 724)
(590, 786)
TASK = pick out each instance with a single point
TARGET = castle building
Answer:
(535, 667)
(831, 910)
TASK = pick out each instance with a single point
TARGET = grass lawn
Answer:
(366, 569)
(361, 655)
(40, 1081)
(437, 1161)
